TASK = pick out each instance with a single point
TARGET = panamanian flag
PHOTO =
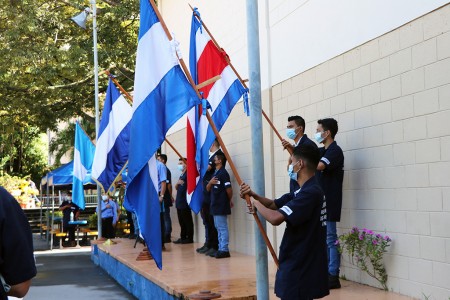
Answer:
(205, 62)
(162, 95)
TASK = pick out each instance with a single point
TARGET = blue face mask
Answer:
(290, 133)
(180, 168)
(291, 173)
(318, 137)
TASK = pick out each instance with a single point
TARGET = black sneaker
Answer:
(211, 252)
(333, 282)
(222, 254)
(202, 249)
(187, 241)
(177, 241)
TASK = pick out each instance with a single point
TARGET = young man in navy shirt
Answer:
(221, 204)
(302, 274)
(330, 174)
(183, 209)
(16, 243)
(211, 241)
(295, 130)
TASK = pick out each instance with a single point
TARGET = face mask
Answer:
(291, 173)
(180, 168)
(318, 137)
(104, 197)
(290, 133)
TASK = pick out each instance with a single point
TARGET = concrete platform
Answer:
(186, 272)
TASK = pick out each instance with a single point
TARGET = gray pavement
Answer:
(71, 275)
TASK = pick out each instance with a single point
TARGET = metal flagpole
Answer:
(97, 122)
(262, 273)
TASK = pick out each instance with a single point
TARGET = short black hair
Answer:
(309, 154)
(182, 159)
(299, 121)
(163, 157)
(222, 158)
(329, 124)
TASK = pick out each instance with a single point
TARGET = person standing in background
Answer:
(330, 175)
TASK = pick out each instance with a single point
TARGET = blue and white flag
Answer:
(83, 156)
(162, 95)
(111, 153)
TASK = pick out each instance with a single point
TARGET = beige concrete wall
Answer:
(391, 97)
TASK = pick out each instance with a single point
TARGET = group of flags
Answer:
(162, 95)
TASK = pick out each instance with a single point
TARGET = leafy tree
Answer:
(46, 70)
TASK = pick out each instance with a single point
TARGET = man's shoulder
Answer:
(311, 187)
(335, 147)
(307, 141)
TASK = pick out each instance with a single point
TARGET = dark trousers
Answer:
(212, 240)
(130, 221)
(163, 227)
(107, 228)
(167, 222)
(70, 229)
(186, 224)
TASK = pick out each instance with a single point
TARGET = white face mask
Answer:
(104, 197)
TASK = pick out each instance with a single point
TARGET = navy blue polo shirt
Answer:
(303, 272)
(66, 213)
(180, 200)
(331, 178)
(207, 177)
(167, 195)
(305, 140)
(220, 204)
(16, 243)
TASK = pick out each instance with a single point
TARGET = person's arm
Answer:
(163, 190)
(230, 196)
(211, 183)
(274, 217)
(20, 290)
(321, 166)
(246, 190)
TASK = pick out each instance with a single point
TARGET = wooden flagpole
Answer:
(131, 100)
(235, 72)
(219, 139)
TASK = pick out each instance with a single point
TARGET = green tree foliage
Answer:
(46, 67)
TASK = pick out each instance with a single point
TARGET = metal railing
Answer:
(46, 201)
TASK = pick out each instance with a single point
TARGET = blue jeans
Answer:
(221, 224)
(167, 222)
(334, 257)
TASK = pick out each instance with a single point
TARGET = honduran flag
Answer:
(111, 153)
(83, 157)
(162, 95)
(205, 62)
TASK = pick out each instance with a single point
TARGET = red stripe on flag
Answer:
(211, 63)
(192, 171)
